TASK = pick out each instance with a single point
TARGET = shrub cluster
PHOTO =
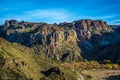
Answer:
(95, 65)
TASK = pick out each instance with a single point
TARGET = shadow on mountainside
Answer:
(102, 47)
(114, 77)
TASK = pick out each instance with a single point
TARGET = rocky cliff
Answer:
(57, 42)
(64, 41)
(86, 28)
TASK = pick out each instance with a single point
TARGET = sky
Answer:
(56, 11)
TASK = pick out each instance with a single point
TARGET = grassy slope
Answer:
(17, 55)
(19, 62)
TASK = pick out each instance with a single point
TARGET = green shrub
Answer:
(115, 66)
(107, 61)
(107, 66)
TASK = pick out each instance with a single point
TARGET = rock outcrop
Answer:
(64, 41)
(86, 28)
(11, 23)
(56, 40)
(81, 29)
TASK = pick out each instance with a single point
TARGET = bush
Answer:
(95, 65)
(107, 61)
(107, 66)
(115, 66)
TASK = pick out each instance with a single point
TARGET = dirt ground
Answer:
(101, 74)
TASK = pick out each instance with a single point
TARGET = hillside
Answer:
(19, 62)
(41, 51)
(60, 41)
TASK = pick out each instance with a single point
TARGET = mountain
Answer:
(41, 51)
(65, 41)
(59, 41)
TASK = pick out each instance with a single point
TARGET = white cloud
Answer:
(50, 16)
(97, 17)
(116, 22)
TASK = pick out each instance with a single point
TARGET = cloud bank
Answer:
(50, 16)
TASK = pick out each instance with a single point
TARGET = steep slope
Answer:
(93, 35)
(57, 42)
(19, 62)
(110, 52)
(86, 28)
(65, 41)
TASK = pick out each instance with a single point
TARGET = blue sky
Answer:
(52, 11)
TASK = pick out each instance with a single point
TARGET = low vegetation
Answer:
(20, 62)
(95, 65)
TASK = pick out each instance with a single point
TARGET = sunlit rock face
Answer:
(86, 28)
(64, 41)
(58, 42)
(93, 36)
(34, 33)
(11, 23)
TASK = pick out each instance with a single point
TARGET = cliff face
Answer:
(42, 33)
(57, 42)
(64, 41)
(86, 28)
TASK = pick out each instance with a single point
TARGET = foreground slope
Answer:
(19, 62)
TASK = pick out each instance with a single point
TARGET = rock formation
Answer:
(64, 41)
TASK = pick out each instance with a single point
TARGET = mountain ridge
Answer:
(57, 51)
(73, 39)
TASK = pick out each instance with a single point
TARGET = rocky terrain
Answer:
(60, 41)
(81, 40)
